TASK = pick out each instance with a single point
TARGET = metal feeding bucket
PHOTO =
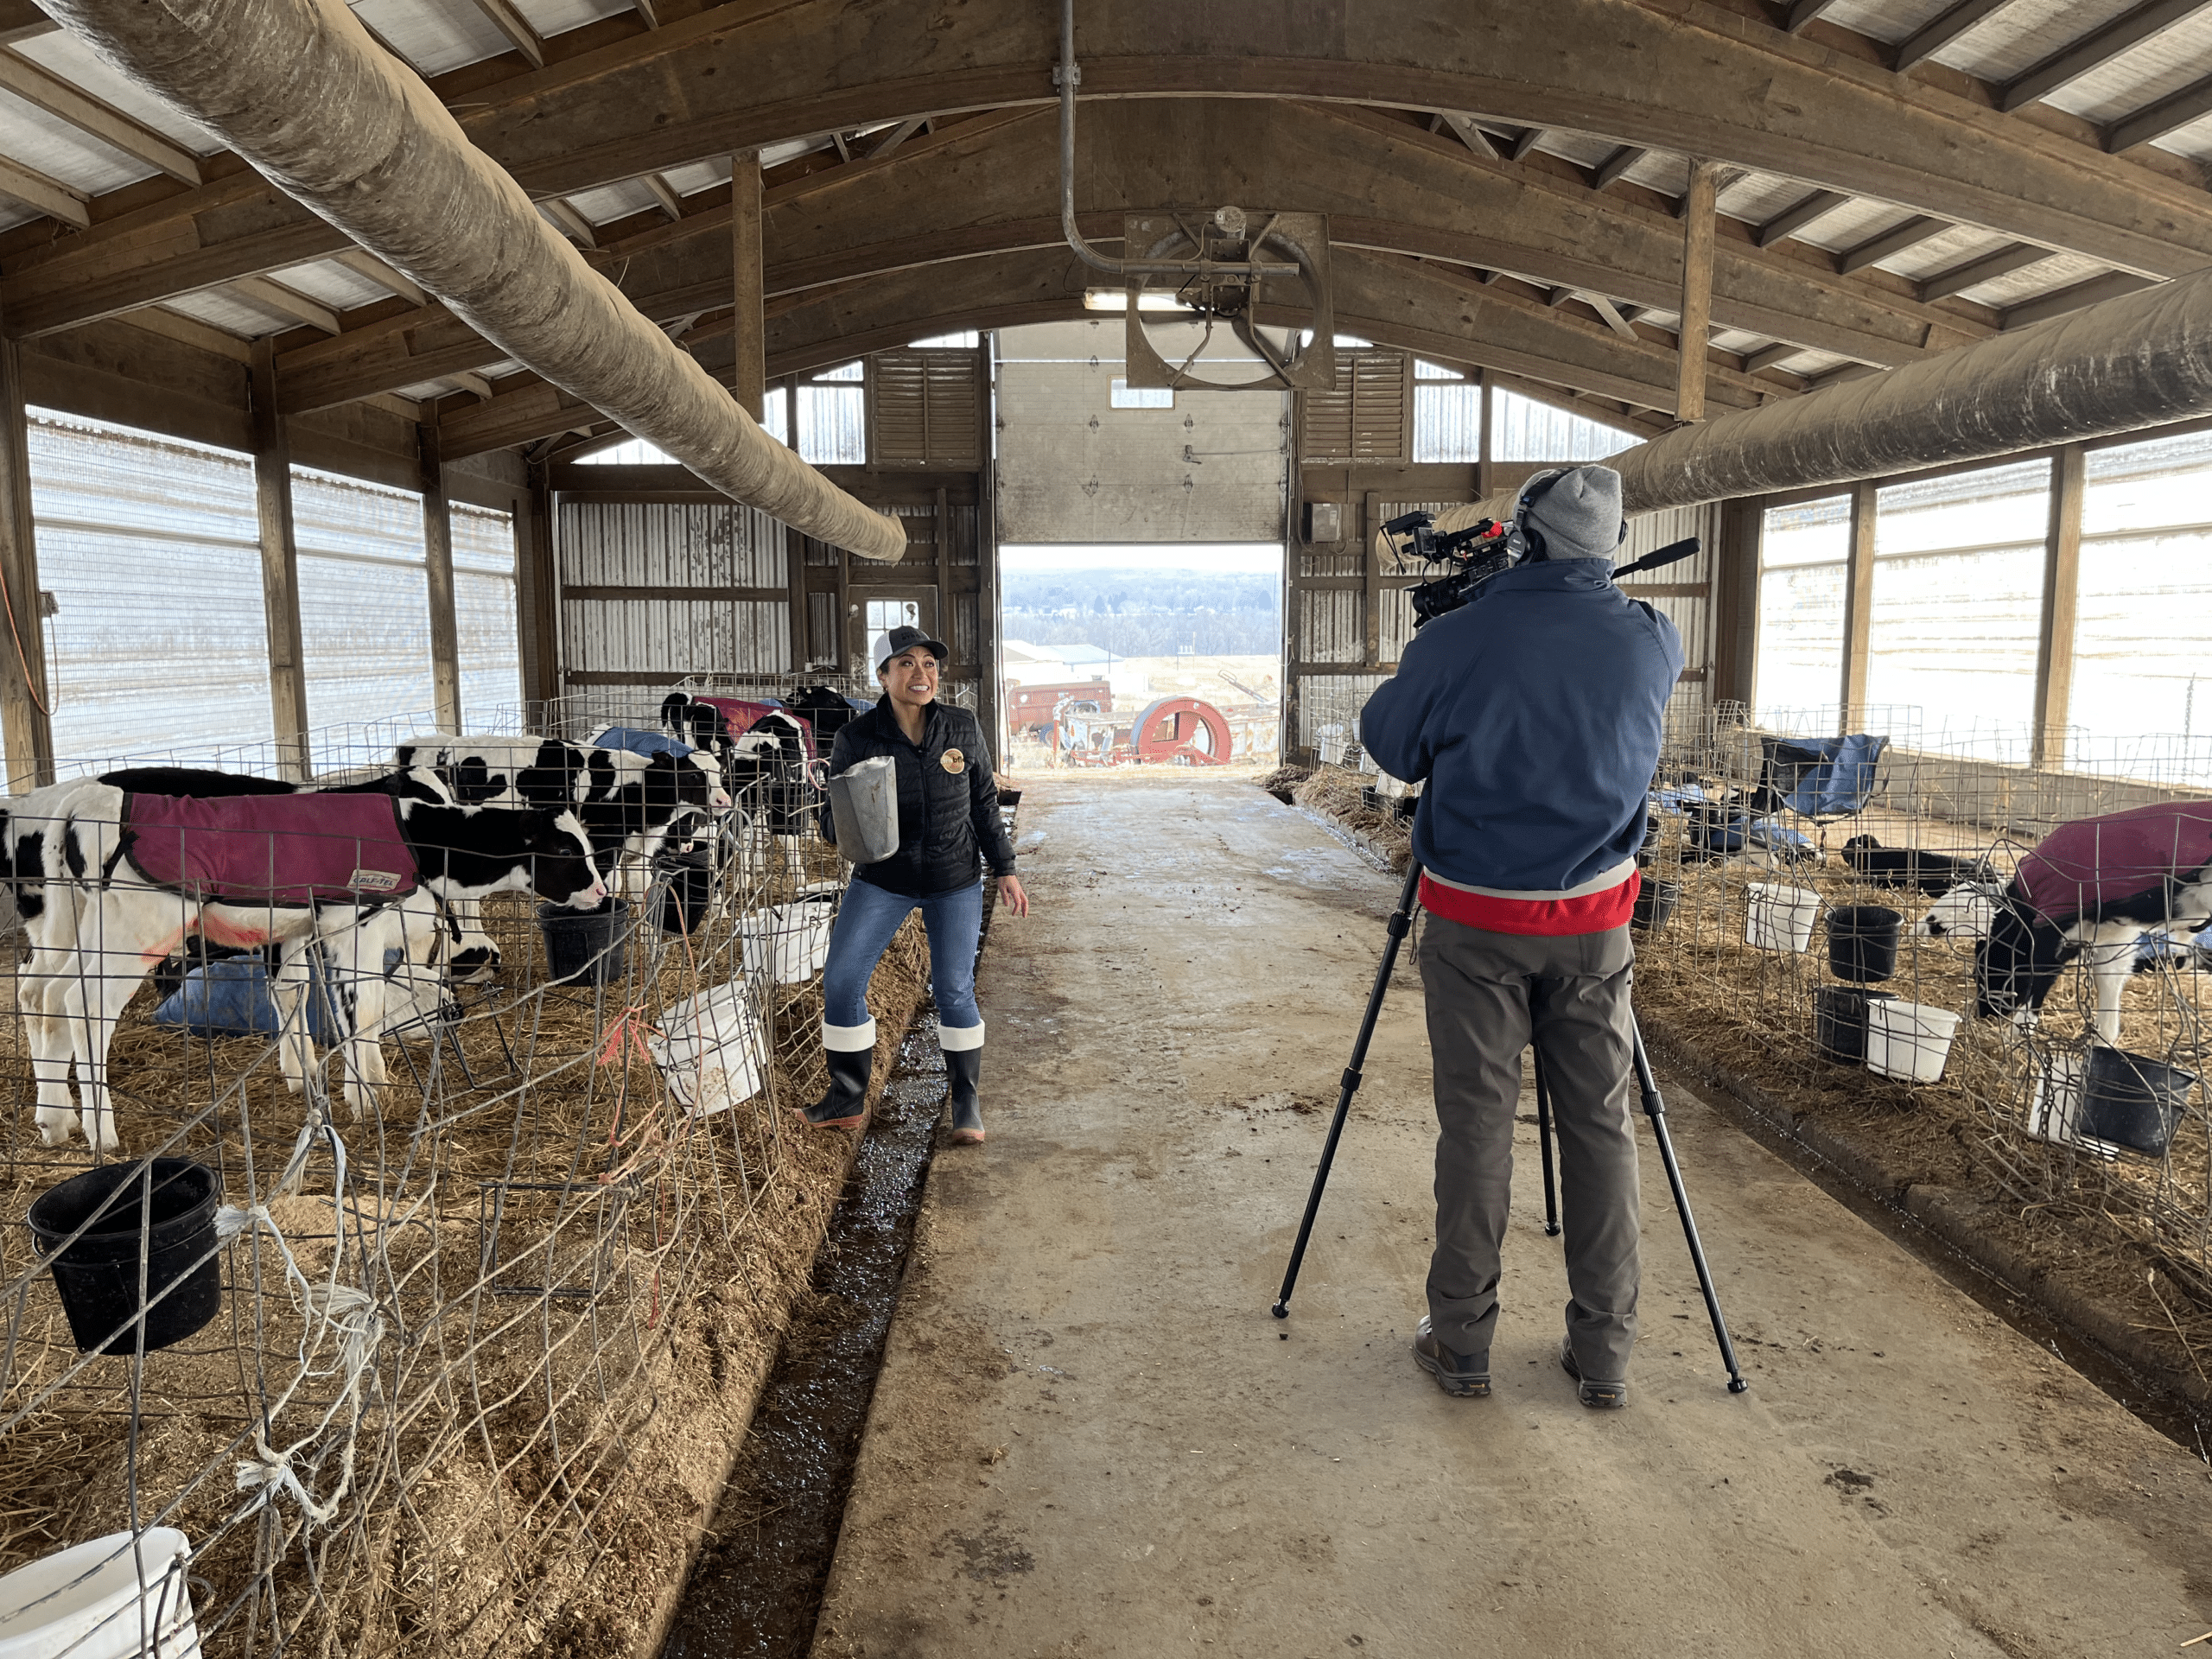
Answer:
(864, 810)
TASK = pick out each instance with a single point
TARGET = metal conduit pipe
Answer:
(299, 90)
(2140, 361)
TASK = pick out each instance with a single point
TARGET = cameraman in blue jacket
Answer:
(1533, 713)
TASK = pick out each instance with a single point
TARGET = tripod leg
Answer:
(1400, 925)
(1655, 1109)
(1544, 1146)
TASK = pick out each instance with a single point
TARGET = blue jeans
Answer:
(866, 921)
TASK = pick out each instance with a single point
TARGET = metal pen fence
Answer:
(1827, 937)
(409, 1358)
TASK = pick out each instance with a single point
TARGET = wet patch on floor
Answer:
(756, 1590)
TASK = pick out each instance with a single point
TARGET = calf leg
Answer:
(93, 1001)
(44, 985)
(2111, 963)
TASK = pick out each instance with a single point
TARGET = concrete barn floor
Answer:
(1090, 1437)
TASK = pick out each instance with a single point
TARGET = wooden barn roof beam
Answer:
(735, 78)
(1390, 300)
(986, 189)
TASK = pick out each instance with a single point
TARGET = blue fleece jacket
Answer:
(1533, 714)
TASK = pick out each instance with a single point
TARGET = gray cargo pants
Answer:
(1488, 993)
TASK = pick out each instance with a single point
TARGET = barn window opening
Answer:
(485, 615)
(833, 416)
(1447, 413)
(1957, 606)
(631, 452)
(1804, 552)
(1122, 395)
(968, 341)
(151, 548)
(885, 614)
(2142, 694)
(365, 600)
(1523, 429)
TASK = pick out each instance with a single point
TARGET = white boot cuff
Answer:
(847, 1039)
(954, 1039)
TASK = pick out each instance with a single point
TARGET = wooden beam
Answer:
(1982, 268)
(1858, 611)
(1891, 243)
(2170, 114)
(34, 85)
(668, 200)
(1609, 314)
(1470, 135)
(1768, 357)
(1616, 166)
(437, 551)
(48, 196)
(2109, 286)
(2062, 588)
(286, 302)
(23, 20)
(1945, 26)
(1802, 12)
(747, 280)
(2096, 50)
(898, 135)
(1529, 138)
(569, 222)
(362, 262)
(648, 12)
(1791, 220)
(280, 570)
(1698, 218)
(509, 21)
(663, 97)
(25, 698)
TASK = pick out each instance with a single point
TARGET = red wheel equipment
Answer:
(1181, 731)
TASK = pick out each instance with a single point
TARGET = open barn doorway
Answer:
(1120, 655)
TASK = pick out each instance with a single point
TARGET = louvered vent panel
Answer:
(927, 412)
(1365, 419)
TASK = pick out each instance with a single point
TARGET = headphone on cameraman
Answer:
(1521, 542)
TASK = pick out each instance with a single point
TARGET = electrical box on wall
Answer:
(1324, 521)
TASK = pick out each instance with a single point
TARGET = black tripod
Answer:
(1653, 1107)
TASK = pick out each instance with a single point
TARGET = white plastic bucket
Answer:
(1909, 1040)
(1781, 918)
(787, 944)
(712, 1050)
(2057, 1106)
(87, 1601)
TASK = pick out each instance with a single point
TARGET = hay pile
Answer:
(1338, 795)
(580, 1288)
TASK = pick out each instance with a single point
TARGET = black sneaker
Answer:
(1456, 1374)
(1599, 1396)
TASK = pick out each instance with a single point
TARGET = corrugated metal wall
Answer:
(629, 572)
(1683, 592)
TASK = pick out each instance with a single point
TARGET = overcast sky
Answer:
(1224, 558)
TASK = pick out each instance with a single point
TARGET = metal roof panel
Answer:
(62, 152)
(63, 55)
(432, 37)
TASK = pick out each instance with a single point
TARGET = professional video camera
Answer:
(1476, 554)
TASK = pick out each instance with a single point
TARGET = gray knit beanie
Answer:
(1579, 517)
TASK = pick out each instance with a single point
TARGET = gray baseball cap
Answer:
(888, 645)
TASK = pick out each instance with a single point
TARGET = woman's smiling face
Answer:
(911, 678)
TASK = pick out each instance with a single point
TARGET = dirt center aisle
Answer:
(1090, 1437)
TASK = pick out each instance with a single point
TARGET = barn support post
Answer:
(1698, 218)
(1485, 444)
(748, 251)
(1858, 604)
(280, 570)
(2062, 583)
(25, 703)
(534, 596)
(1735, 602)
(437, 553)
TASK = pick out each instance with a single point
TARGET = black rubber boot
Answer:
(964, 1066)
(846, 1104)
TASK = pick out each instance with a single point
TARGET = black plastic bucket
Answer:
(1839, 1021)
(690, 887)
(98, 1276)
(1654, 904)
(585, 946)
(1863, 942)
(2132, 1101)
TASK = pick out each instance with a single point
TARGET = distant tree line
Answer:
(1148, 612)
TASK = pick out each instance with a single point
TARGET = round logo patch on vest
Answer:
(954, 762)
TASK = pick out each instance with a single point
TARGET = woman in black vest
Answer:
(949, 827)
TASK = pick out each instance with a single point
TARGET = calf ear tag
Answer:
(954, 762)
(375, 881)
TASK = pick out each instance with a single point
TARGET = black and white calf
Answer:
(2089, 892)
(1934, 874)
(105, 922)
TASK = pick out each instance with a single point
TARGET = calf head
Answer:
(2015, 966)
(1964, 912)
(466, 852)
